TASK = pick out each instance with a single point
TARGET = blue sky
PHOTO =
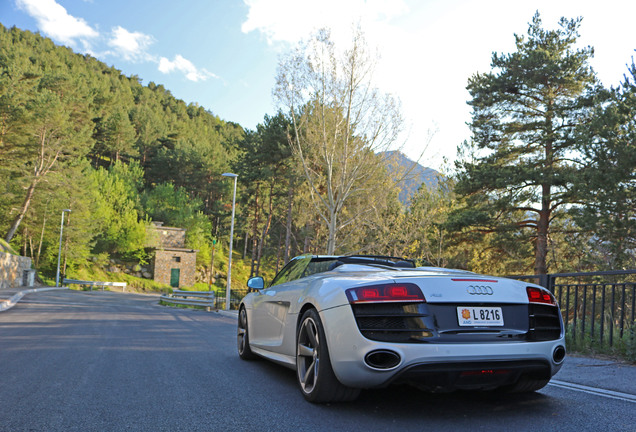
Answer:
(223, 54)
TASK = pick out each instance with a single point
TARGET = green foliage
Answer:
(630, 343)
(119, 133)
(6, 247)
(148, 125)
(134, 284)
(267, 170)
(623, 347)
(522, 164)
(426, 215)
(116, 211)
(49, 126)
(608, 142)
(199, 237)
(131, 174)
(169, 204)
(266, 154)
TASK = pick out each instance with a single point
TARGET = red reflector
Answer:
(385, 293)
(485, 372)
(478, 372)
(540, 295)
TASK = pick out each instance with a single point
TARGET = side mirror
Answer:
(256, 282)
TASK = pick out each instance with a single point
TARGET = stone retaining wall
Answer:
(12, 269)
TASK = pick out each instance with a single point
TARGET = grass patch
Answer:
(182, 306)
(6, 247)
(623, 348)
(134, 284)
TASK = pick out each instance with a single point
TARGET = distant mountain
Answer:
(414, 174)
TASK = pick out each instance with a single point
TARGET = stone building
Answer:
(173, 264)
(15, 271)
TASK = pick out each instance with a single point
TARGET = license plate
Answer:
(479, 316)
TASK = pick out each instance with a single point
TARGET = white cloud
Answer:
(293, 20)
(185, 66)
(54, 21)
(130, 45)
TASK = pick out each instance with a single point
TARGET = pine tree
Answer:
(608, 142)
(525, 113)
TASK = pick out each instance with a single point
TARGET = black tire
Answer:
(527, 385)
(316, 378)
(243, 338)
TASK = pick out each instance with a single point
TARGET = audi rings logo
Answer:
(479, 290)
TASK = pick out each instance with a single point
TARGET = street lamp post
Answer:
(59, 251)
(229, 265)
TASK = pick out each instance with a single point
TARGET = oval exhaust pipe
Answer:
(559, 354)
(382, 359)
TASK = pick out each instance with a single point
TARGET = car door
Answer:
(271, 305)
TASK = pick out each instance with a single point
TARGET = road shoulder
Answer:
(10, 297)
(609, 374)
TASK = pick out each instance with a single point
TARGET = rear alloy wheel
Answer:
(316, 378)
(243, 338)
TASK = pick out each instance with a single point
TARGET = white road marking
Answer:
(594, 391)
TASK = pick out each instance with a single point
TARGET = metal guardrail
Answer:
(597, 307)
(94, 283)
(601, 312)
(179, 297)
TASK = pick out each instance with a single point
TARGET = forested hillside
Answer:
(77, 134)
(547, 182)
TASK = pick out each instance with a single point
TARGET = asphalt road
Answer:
(104, 361)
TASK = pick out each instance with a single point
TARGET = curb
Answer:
(229, 314)
(16, 297)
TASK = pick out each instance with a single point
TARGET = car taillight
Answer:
(385, 293)
(538, 295)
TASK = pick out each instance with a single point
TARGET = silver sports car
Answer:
(346, 323)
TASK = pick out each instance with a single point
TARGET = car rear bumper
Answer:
(459, 365)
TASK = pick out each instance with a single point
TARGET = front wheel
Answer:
(316, 378)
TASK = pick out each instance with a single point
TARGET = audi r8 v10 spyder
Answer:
(346, 323)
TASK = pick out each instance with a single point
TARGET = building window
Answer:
(176, 259)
